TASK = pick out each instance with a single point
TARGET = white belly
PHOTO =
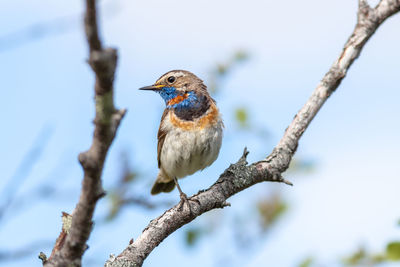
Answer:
(186, 151)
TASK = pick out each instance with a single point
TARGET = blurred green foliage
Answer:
(242, 116)
(270, 210)
(192, 235)
(307, 262)
(362, 257)
(393, 251)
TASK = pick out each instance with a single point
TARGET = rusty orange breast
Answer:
(209, 119)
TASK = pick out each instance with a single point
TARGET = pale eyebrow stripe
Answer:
(176, 74)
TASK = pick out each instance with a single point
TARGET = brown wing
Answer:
(161, 137)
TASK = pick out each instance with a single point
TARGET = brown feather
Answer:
(159, 187)
(161, 137)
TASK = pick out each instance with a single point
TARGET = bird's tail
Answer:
(162, 184)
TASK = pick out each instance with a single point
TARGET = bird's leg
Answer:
(183, 197)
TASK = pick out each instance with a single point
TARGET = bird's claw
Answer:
(184, 199)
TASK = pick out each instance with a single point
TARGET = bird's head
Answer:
(179, 89)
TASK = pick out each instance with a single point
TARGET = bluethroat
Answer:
(190, 132)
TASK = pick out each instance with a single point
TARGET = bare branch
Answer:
(107, 120)
(92, 34)
(240, 176)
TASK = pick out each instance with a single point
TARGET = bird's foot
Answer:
(184, 199)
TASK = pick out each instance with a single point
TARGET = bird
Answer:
(190, 132)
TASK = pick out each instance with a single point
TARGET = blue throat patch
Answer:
(169, 93)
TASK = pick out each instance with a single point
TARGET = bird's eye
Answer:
(171, 79)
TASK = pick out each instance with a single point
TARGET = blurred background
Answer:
(261, 61)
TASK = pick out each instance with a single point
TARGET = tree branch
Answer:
(103, 62)
(240, 176)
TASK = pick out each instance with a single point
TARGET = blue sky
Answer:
(350, 199)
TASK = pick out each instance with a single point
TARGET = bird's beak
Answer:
(152, 87)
